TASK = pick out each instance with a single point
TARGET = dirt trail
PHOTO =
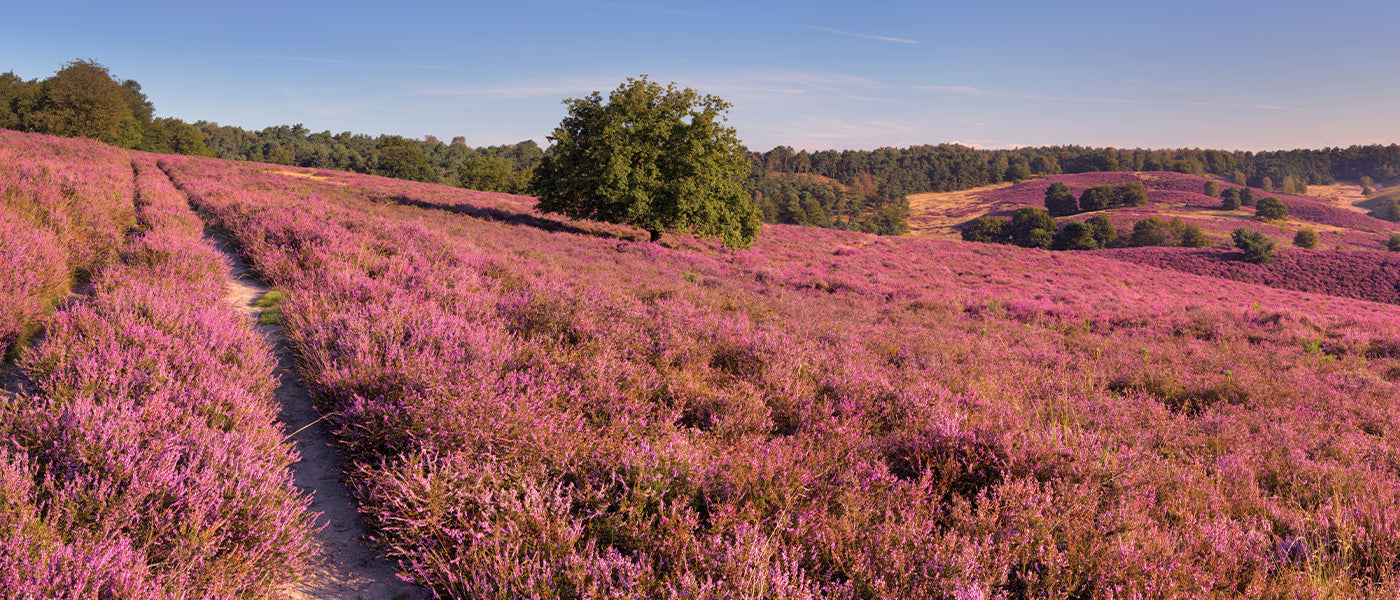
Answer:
(346, 566)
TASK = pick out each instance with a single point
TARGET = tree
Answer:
(1258, 248)
(995, 230)
(488, 174)
(1059, 201)
(658, 158)
(1098, 197)
(1076, 235)
(1305, 238)
(1213, 189)
(84, 100)
(1230, 199)
(1270, 209)
(1102, 229)
(1189, 236)
(1388, 209)
(1018, 171)
(1152, 231)
(1032, 228)
(1394, 244)
(1131, 194)
(1246, 197)
(403, 159)
(1366, 183)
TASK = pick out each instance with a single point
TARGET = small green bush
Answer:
(1394, 244)
(1305, 238)
(1258, 248)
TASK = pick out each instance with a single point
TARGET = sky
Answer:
(1228, 74)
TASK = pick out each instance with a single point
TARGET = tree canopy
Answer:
(654, 157)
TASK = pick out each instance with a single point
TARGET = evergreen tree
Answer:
(1258, 248)
(1230, 199)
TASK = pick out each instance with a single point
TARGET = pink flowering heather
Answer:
(64, 204)
(535, 407)
(147, 464)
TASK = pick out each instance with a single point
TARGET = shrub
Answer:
(1104, 233)
(1132, 194)
(1270, 209)
(1059, 200)
(1077, 235)
(994, 230)
(1098, 197)
(1189, 236)
(1305, 238)
(1152, 231)
(1212, 189)
(1394, 244)
(1230, 199)
(1026, 222)
(1246, 197)
(1258, 248)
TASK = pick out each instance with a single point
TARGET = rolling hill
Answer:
(532, 406)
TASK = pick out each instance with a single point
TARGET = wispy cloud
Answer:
(972, 91)
(1244, 105)
(338, 61)
(739, 86)
(1152, 84)
(819, 133)
(867, 36)
(653, 9)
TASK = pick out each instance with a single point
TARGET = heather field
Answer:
(535, 407)
(543, 408)
(140, 457)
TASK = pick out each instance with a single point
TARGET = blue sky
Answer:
(1214, 74)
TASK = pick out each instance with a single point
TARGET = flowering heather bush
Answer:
(148, 464)
(545, 409)
(64, 204)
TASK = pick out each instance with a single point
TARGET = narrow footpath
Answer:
(346, 566)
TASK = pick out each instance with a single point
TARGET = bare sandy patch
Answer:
(937, 214)
(1341, 195)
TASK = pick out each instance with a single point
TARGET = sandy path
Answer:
(346, 566)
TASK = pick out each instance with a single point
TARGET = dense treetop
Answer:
(658, 158)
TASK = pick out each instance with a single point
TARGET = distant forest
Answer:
(848, 189)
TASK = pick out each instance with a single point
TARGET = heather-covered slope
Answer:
(1373, 276)
(1170, 195)
(144, 461)
(536, 407)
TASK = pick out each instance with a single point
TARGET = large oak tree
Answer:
(654, 157)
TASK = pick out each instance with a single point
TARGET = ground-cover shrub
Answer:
(148, 463)
(537, 409)
(64, 204)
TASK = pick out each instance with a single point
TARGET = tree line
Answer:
(849, 189)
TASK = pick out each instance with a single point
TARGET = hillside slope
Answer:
(531, 406)
(542, 406)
